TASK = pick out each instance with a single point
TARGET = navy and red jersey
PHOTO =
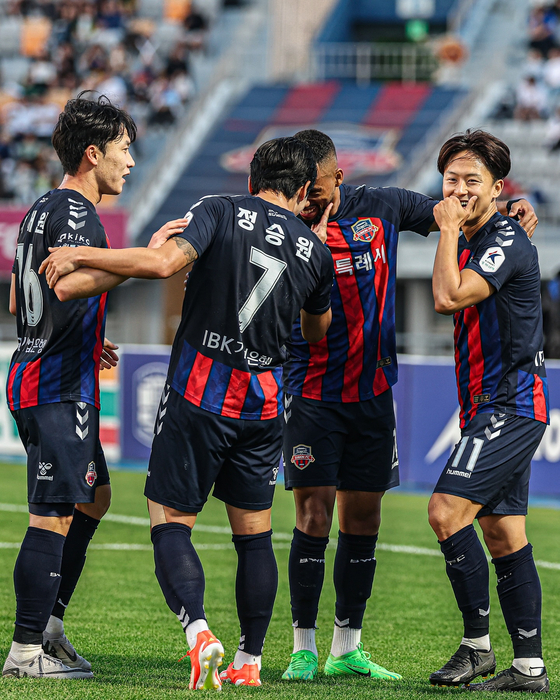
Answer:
(59, 343)
(499, 359)
(258, 265)
(357, 359)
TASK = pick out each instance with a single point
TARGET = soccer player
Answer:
(53, 388)
(220, 419)
(339, 439)
(488, 277)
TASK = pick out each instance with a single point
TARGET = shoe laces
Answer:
(302, 658)
(363, 653)
(51, 661)
(459, 657)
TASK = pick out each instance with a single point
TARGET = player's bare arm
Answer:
(167, 230)
(86, 282)
(145, 263)
(454, 289)
(315, 326)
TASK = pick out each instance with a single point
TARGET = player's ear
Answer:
(91, 154)
(249, 185)
(339, 177)
(497, 188)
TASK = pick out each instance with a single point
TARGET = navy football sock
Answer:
(36, 581)
(79, 535)
(179, 571)
(255, 588)
(354, 569)
(467, 570)
(306, 572)
(519, 590)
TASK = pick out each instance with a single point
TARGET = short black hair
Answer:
(282, 165)
(321, 144)
(492, 152)
(87, 122)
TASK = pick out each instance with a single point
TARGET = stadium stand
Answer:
(377, 127)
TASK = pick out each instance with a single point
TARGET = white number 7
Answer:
(273, 269)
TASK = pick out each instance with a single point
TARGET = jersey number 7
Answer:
(273, 269)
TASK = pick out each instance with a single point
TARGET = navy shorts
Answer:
(491, 463)
(65, 460)
(194, 449)
(348, 445)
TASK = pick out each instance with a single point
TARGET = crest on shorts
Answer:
(364, 230)
(91, 474)
(302, 456)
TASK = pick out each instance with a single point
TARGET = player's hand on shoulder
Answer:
(109, 357)
(449, 213)
(524, 212)
(171, 228)
(320, 229)
(60, 262)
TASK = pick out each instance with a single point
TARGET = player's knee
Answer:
(438, 517)
(314, 522)
(100, 506)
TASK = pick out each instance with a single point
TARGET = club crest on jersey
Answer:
(364, 230)
(302, 456)
(91, 474)
(492, 259)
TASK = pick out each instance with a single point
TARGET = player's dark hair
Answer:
(491, 151)
(88, 122)
(282, 165)
(321, 144)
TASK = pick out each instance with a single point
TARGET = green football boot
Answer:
(357, 663)
(303, 666)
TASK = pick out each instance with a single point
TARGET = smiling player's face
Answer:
(329, 178)
(114, 165)
(466, 176)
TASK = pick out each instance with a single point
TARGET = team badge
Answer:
(492, 259)
(91, 474)
(302, 456)
(364, 230)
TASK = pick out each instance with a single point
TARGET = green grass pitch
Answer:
(118, 618)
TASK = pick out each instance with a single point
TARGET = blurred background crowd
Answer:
(105, 45)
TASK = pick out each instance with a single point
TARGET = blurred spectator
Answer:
(542, 27)
(531, 100)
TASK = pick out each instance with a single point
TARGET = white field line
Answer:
(282, 539)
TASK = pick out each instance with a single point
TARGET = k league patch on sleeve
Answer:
(492, 259)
